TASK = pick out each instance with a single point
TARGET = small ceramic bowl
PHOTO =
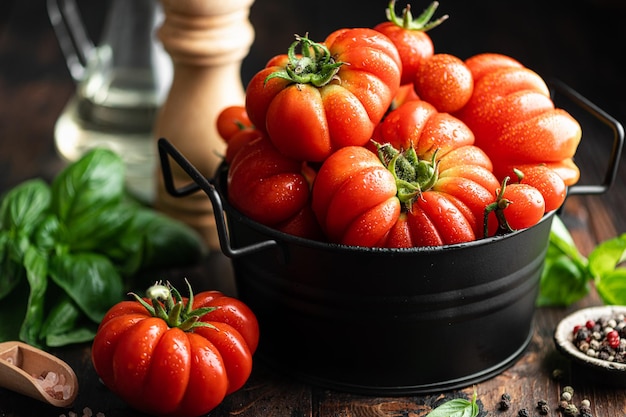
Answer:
(601, 371)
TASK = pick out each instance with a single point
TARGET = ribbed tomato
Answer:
(167, 355)
(422, 183)
(331, 95)
(272, 189)
(516, 123)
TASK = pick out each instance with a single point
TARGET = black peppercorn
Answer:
(542, 405)
(585, 411)
(582, 334)
(505, 401)
(523, 413)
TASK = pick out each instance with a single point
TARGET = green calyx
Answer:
(413, 175)
(498, 207)
(421, 23)
(314, 65)
(168, 305)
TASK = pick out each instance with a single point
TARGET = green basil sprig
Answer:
(457, 407)
(568, 275)
(69, 249)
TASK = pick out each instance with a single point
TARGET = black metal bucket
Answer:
(385, 321)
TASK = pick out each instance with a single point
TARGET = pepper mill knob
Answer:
(207, 41)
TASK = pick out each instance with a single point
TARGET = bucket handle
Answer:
(200, 182)
(618, 140)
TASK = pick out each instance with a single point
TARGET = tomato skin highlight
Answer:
(165, 371)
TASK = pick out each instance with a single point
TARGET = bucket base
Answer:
(426, 388)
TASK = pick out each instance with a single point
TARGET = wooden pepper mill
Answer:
(207, 41)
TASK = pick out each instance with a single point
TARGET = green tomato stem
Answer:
(314, 65)
(421, 23)
(498, 208)
(413, 175)
(167, 304)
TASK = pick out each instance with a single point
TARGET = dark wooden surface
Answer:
(579, 42)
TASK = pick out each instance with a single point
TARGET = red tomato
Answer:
(331, 97)
(516, 123)
(444, 81)
(464, 171)
(354, 197)
(239, 140)
(231, 120)
(434, 192)
(543, 178)
(410, 37)
(517, 207)
(487, 62)
(272, 189)
(164, 364)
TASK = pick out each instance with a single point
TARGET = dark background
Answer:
(577, 41)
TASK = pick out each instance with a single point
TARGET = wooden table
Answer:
(34, 87)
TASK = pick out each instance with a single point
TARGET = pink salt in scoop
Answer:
(37, 374)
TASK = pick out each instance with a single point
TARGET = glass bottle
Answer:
(121, 84)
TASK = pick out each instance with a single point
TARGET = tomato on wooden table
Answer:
(167, 355)
(330, 95)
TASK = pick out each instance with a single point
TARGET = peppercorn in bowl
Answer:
(594, 339)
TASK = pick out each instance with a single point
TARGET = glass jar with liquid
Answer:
(121, 83)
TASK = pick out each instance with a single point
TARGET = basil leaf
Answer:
(169, 242)
(13, 311)
(48, 232)
(153, 240)
(612, 287)
(87, 188)
(90, 279)
(23, 206)
(66, 324)
(78, 334)
(563, 282)
(11, 269)
(458, 407)
(607, 255)
(565, 276)
(36, 265)
(97, 233)
(20, 212)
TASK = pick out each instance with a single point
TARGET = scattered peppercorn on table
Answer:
(541, 382)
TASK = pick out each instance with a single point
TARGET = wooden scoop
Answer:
(37, 374)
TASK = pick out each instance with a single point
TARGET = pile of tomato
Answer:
(370, 138)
